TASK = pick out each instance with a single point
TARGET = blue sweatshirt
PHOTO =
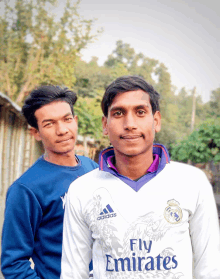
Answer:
(34, 219)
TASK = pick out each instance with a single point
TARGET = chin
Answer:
(65, 151)
(131, 152)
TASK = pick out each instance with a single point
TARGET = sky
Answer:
(184, 35)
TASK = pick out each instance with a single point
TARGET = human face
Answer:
(57, 128)
(131, 125)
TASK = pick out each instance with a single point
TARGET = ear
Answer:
(104, 126)
(157, 121)
(34, 132)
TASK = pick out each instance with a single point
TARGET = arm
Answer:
(204, 232)
(77, 242)
(22, 217)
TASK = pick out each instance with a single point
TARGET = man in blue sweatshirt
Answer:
(35, 202)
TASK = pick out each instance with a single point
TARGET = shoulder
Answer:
(39, 174)
(183, 169)
(188, 182)
(86, 183)
(29, 177)
(187, 176)
(87, 162)
(30, 174)
(23, 194)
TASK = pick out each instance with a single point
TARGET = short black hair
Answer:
(129, 83)
(44, 95)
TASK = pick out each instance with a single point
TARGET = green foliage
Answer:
(123, 54)
(168, 108)
(200, 146)
(183, 104)
(91, 78)
(214, 104)
(125, 61)
(89, 116)
(36, 48)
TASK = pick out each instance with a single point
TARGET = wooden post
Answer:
(2, 125)
(18, 150)
(85, 146)
(16, 147)
(26, 151)
(32, 149)
(4, 153)
(193, 115)
(12, 161)
(193, 108)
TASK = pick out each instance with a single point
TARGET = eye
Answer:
(68, 119)
(117, 113)
(49, 124)
(141, 112)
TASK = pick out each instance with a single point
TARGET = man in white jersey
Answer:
(139, 215)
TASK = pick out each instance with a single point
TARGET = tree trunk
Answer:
(85, 146)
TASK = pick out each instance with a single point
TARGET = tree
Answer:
(200, 146)
(123, 54)
(89, 115)
(183, 102)
(125, 61)
(37, 48)
(214, 104)
(91, 78)
(168, 108)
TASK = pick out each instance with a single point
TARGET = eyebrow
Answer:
(116, 108)
(136, 107)
(48, 120)
(143, 106)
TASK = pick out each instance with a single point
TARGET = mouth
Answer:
(131, 137)
(64, 140)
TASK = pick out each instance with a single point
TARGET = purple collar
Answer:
(153, 167)
(157, 166)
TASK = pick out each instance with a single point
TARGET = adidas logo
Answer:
(107, 212)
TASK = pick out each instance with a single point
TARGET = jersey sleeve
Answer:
(77, 242)
(204, 232)
(22, 218)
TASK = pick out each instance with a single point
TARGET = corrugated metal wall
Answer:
(18, 151)
(16, 148)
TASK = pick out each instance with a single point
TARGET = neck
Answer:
(133, 167)
(65, 159)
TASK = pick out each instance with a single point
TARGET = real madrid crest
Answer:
(173, 213)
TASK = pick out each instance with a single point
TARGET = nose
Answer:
(130, 122)
(61, 128)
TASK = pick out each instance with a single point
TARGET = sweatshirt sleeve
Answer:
(22, 217)
(77, 242)
(204, 232)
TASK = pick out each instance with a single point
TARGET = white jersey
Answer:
(161, 231)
